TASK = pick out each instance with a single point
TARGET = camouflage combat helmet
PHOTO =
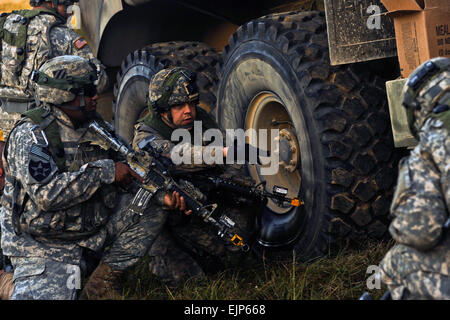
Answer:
(62, 79)
(67, 3)
(171, 87)
(426, 92)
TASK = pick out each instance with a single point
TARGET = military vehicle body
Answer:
(273, 72)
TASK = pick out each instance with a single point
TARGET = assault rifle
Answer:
(155, 177)
(153, 169)
(241, 188)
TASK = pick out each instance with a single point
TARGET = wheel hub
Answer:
(266, 111)
(288, 150)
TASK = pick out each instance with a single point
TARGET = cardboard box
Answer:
(421, 30)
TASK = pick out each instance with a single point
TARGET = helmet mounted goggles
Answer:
(76, 85)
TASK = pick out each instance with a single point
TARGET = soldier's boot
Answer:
(6, 285)
(102, 284)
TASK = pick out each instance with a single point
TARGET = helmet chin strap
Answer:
(186, 126)
(81, 107)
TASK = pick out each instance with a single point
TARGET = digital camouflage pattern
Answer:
(56, 194)
(418, 266)
(44, 279)
(183, 89)
(426, 88)
(431, 96)
(81, 204)
(173, 256)
(127, 236)
(60, 68)
(175, 253)
(164, 146)
(153, 128)
(47, 37)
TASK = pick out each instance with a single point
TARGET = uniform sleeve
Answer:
(34, 168)
(65, 41)
(183, 155)
(419, 205)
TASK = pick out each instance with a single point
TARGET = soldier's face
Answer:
(183, 114)
(79, 115)
(62, 10)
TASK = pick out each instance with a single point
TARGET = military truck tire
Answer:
(137, 69)
(340, 158)
(130, 91)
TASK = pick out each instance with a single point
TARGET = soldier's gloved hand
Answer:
(249, 152)
(175, 202)
(124, 174)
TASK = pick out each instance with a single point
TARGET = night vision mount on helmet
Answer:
(172, 87)
(426, 92)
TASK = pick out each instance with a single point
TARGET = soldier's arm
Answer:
(419, 206)
(168, 149)
(34, 168)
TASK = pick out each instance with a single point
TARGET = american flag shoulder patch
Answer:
(80, 43)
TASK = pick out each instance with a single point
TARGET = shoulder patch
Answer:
(40, 152)
(39, 136)
(41, 166)
(80, 43)
(39, 170)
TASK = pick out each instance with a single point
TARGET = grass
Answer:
(342, 277)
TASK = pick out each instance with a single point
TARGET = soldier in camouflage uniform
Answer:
(5, 277)
(31, 37)
(62, 195)
(2, 172)
(28, 38)
(417, 267)
(186, 242)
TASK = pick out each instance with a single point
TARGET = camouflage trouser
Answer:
(407, 280)
(128, 238)
(175, 254)
(44, 279)
(419, 285)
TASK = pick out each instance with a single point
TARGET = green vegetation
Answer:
(339, 277)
